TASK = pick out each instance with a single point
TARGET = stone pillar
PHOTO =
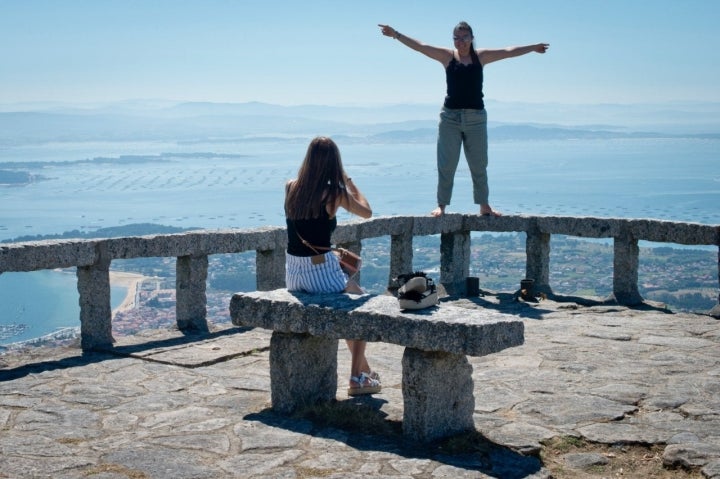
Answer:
(537, 266)
(95, 309)
(715, 311)
(270, 267)
(303, 371)
(190, 286)
(625, 270)
(454, 261)
(433, 410)
(401, 255)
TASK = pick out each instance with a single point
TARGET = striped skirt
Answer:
(314, 274)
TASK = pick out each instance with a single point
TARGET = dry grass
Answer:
(623, 461)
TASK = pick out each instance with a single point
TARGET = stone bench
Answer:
(437, 383)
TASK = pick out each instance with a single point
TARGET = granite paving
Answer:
(163, 404)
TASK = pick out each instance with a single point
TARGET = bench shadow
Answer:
(361, 424)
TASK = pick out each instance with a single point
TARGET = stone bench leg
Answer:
(438, 395)
(303, 371)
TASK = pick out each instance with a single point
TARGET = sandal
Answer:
(363, 384)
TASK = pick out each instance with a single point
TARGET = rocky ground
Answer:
(595, 392)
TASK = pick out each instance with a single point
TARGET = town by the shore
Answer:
(132, 282)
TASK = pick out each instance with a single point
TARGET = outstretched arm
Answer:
(443, 55)
(489, 56)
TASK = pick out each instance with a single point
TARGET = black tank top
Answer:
(316, 231)
(464, 84)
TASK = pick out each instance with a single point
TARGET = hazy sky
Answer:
(332, 52)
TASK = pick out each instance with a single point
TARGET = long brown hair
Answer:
(320, 180)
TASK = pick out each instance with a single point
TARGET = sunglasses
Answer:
(464, 38)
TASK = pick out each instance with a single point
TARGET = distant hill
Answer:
(246, 121)
(524, 132)
(136, 229)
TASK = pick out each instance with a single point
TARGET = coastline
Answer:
(132, 282)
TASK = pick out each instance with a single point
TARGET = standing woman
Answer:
(463, 120)
(311, 202)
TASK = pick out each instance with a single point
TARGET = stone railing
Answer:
(93, 257)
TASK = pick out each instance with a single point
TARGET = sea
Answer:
(84, 186)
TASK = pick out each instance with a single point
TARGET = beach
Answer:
(130, 281)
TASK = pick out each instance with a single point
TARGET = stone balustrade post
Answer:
(190, 287)
(401, 255)
(625, 269)
(537, 265)
(93, 284)
(270, 266)
(715, 311)
(454, 261)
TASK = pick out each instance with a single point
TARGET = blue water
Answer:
(666, 179)
(669, 179)
(42, 301)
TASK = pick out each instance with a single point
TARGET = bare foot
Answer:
(439, 211)
(486, 210)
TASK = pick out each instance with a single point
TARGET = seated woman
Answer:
(311, 202)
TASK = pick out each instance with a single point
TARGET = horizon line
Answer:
(175, 102)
